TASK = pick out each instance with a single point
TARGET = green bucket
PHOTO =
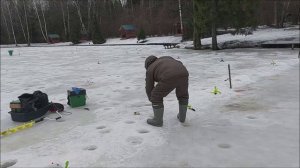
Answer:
(10, 52)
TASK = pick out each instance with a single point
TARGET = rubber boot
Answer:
(182, 113)
(158, 111)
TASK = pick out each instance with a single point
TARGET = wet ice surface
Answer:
(253, 124)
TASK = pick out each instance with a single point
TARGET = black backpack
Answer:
(33, 106)
(33, 102)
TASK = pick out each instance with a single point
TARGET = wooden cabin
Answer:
(128, 31)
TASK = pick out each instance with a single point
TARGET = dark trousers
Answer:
(163, 88)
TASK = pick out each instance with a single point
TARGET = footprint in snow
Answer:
(251, 117)
(239, 90)
(224, 146)
(101, 127)
(90, 147)
(134, 140)
(8, 163)
(143, 131)
(105, 131)
(129, 122)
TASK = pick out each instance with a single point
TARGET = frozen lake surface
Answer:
(255, 124)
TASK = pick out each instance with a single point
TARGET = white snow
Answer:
(109, 41)
(163, 39)
(254, 124)
(259, 36)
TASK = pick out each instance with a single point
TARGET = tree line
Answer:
(31, 21)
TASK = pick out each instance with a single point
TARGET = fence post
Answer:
(229, 76)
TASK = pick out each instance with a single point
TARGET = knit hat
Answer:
(149, 60)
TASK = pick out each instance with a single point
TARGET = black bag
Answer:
(32, 106)
(42, 99)
(33, 102)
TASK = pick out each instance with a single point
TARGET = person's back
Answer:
(165, 68)
(170, 74)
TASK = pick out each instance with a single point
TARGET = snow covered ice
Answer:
(255, 124)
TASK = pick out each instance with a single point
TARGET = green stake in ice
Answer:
(273, 62)
(190, 107)
(67, 164)
(216, 91)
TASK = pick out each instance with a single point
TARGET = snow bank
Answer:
(259, 36)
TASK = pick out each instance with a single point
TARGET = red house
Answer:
(53, 38)
(127, 31)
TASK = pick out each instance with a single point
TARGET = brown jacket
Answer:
(163, 69)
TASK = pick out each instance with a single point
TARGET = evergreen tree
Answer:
(141, 34)
(237, 13)
(208, 15)
(75, 33)
(97, 37)
(201, 21)
(35, 36)
(251, 14)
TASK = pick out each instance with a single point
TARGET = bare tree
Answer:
(89, 15)
(275, 13)
(26, 21)
(213, 24)
(45, 23)
(68, 12)
(132, 8)
(64, 20)
(11, 23)
(180, 15)
(142, 4)
(37, 14)
(79, 14)
(19, 17)
(4, 19)
(286, 5)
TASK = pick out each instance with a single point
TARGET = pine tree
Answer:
(75, 33)
(97, 37)
(141, 34)
(201, 21)
(239, 13)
